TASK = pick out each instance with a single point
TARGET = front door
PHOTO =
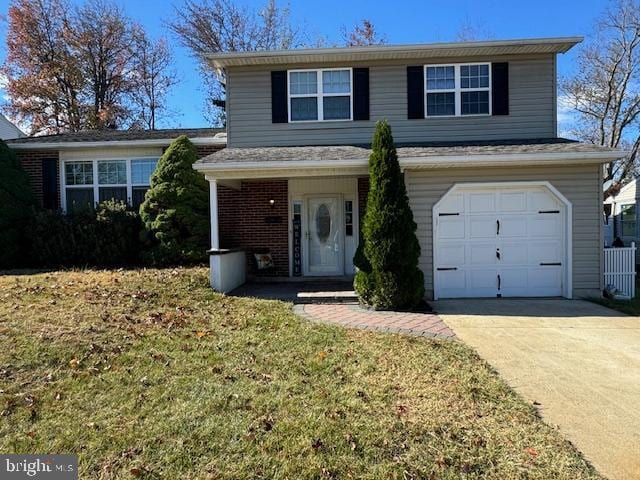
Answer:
(324, 236)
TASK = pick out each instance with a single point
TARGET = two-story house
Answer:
(503, 206)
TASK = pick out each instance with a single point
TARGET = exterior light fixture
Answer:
(272, 202)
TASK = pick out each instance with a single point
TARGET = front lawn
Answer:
(630, 307)
(149, 374)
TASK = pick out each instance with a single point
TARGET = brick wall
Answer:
(32, 163)
(204, 150)
(247, 220)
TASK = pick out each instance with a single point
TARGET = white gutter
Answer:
(439, 161)
(154, 142)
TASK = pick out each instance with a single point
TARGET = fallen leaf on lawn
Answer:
(31, 434)
(402, 409)
(531, 451)
(58, 396)
(74, 363)
(91, 425)
(317, 444)
(137, 472)
(201, 334)
(322, 354)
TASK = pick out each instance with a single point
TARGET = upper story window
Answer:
(320, 95)
(89, 182)
(458, 89)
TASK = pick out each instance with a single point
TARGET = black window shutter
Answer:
(500, 88)
(415, 92)
(279, 107)
(50, 183)
(361, 94)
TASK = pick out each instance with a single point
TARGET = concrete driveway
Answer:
(578, 360)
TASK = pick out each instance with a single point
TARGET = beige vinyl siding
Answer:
(531, 105)
(580, 184)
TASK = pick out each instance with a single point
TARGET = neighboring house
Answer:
(621, 215)
(8, 130)
(89, 167)
(503, 207)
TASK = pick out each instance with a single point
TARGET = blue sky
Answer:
(410, 21)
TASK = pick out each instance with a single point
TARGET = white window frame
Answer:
(96, 186)
(319, 95)
(457, 90)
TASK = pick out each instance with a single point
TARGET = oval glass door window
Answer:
(323, 223)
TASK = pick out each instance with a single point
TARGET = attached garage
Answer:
(502, 240)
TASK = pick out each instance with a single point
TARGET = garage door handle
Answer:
(499, 282)
(497, 227)
(550, 264)
(444, 269)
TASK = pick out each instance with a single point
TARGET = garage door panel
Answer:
(451, 227)
(545, 225)
(513, 226)
(482, 227)
(453, 203)
(546, 281)
(514, 254)
(513, 278)
(482, 254)
(542, 200)
(483, 202)
(452, 283)
(512, 202)
(545, 252)
(485, 279)
(452, 255)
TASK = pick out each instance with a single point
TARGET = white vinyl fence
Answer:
(620, 269)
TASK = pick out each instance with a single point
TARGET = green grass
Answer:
(630, 307)
(150, 374)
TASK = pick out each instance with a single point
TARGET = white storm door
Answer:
(324, 236)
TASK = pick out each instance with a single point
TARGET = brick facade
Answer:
(247, 220)
(32, 163)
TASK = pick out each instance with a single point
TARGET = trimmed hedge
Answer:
(108, 236)
(17, 204)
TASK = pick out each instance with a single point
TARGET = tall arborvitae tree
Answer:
(176, 208)
(17, 204)
(388, 276)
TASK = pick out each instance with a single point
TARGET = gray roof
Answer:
(328, 153)
(118, 135)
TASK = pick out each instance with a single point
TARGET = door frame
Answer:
(307, 238)
(567, 284)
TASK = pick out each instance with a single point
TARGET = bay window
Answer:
(320, 95)
(457, 90)
(89, 182)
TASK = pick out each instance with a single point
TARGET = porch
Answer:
(284, 228)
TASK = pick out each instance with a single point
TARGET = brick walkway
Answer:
(352, 315)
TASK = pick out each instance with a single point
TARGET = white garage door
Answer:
(499, 242)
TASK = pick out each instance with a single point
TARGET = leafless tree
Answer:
(362, 34)
(605, 91)
(153, 77)
(213, 26)
(473, 30)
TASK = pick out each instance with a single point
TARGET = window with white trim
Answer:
(89, 182)
(457, 90)
(320, 95)
(628, 220)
